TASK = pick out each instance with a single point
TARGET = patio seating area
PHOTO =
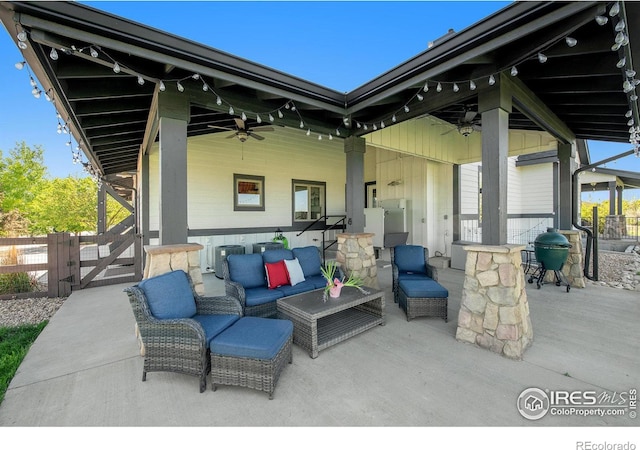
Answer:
(84, 369)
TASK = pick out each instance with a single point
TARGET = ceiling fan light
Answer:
(465, 130)
(571, 42)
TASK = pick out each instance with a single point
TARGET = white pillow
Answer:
(295, 271)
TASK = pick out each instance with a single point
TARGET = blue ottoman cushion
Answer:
(423, 289)
(253, 337)
(214, 324)
(169, 295)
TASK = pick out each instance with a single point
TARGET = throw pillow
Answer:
(276, 274)
(295, 271)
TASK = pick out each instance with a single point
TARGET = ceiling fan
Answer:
(468, 124)
(242, 132)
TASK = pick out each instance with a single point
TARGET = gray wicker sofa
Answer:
(247, 277)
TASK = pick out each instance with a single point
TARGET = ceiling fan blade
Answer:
(220, 128)
(239, 123)
(232, 135)
(257, 136)
(470, 115)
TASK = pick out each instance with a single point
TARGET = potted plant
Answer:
(334, 284)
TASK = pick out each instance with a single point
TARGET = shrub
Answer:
(14, 283)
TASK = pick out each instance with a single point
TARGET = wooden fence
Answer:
(61, 262)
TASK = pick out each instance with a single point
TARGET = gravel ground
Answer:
(615, 269)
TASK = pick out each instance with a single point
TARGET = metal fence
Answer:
(519, 230)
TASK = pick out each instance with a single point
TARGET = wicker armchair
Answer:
(410, 262)
(179, 344)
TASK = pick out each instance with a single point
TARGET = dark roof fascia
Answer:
(468, 43)
(549, 156)
(100, 23)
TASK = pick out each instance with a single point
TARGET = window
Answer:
(308, 200)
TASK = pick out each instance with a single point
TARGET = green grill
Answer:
(551, 250)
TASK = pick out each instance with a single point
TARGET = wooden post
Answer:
(59, 261)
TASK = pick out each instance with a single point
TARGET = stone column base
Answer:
(356, 255)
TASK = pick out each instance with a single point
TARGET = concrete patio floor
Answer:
(85, 369)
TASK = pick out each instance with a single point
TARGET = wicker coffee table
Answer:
(318, 324)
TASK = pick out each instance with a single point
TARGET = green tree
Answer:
(22, 173)
(65, 204)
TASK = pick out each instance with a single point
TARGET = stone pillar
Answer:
(615, 227)
(356, 255)
(166, 258)
(573, 269)
(494, 312)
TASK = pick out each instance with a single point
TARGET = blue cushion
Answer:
(248, 270)
(275, 255)
(409, 258)
(309, 258)
(423, 289)
(412, 276)
(214, 324)
(299, 288)
(261, 295)
(318, 281)
(253, 337)
(169, 295)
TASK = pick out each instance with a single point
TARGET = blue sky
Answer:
(340, 45)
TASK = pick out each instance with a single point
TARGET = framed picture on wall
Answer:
(248, 192)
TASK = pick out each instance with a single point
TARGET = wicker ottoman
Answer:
(423, 298)
(251, 353)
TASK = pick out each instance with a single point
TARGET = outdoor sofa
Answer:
(259, 280)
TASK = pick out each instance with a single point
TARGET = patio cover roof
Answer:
(576, 93)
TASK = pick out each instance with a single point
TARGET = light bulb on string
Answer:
(330, 137)
(426, 87)
(116, 67)
(615, 47)
(358, 125)
(631, 122)
(621, 63)
(365, 126)
(22, 36)
(615, 9)
(301, 124)
(280, 115)
(382, 125)
(570, 41)
(140, 80)
(205, 87)
(627, 86)
(195, 76)
(22, 45)
(231, 111)
(53, 54)
(406, 108)
(162, 87)
(393, 118)
(492, 80)
(20, 65)
(621, 37)
(309, 132)
(258, 118)
(439, 87)
(620, 26)
(628, 114)
(243, 116)
(456, 88)
(218, 100)
(180, 86)
(375, 127)
(93, 52)
(514, 71)
(472, 85)
(419, 97)
(542, 58)
(630, 73)
(32, 82)
(602, 20)
(319, 137)
(271, 118)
